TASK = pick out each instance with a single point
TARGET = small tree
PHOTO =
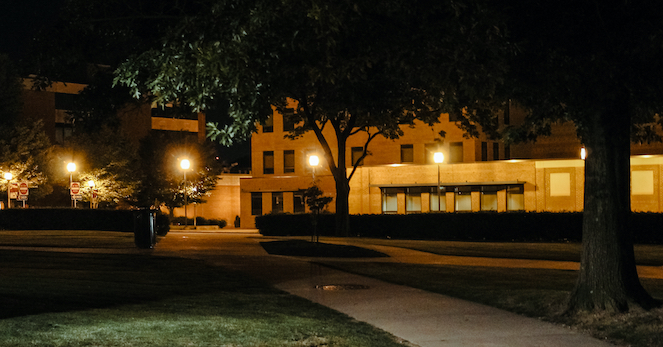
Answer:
(316, 203)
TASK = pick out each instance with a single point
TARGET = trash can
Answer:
(144, 233)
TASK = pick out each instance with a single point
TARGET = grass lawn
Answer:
(96, 299)
(532, 292)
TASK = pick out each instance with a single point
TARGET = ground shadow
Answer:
(301, 248)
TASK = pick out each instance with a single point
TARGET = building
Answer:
(401, 176)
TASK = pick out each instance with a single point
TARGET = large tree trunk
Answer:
(342, 208)
(608, 280)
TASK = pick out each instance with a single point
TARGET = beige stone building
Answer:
(400, 176)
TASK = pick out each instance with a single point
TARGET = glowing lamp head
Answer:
(90, 184)
(185, 164)
(313, 160)
(8, 176)
(438, 157)
(583, 153)
(71, 167)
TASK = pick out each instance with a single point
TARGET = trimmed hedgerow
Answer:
(480, 226)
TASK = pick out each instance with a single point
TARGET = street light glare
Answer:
(71, 167)
(438, 157)
(313, 160)
(8, 176)
(185, 164)
(90, 184)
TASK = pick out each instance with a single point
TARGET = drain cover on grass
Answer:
(341, 287)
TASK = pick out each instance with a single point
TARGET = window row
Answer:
(462, 198)
(298, 203)
(268, 162)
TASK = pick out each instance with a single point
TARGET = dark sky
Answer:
(21, 19)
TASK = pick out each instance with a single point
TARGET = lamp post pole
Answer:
(438, 158)
(8, 176)
(71, 167)
(185, 164)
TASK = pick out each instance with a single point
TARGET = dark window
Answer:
(277, 202)
(288, 120)
(62, 132)
(268, 125)
(268, 162)
(298, 202)
(289, 161)
(484, 151)
(507, 152)
(256, 204)
(407, 154)
(357, 152)
(456, 152)
(507, 113)
(496, 151)
(65, 101)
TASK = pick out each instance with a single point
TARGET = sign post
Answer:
(75, 190)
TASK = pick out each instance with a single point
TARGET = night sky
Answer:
(21, 19)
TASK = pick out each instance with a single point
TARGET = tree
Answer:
(358, 67)
(596, 64)
(162, 179)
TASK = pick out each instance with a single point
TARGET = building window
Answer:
(289, 161)
(407, 154)
(356, 153)
(288, 120)
(507, 152)
(515, 199)
(268, 125)
(456, 152)
(507, 113)
(268, 162)
(64, 101)
(277, 202)
(431, 149)
(298, 202)
(489, 198)
(256, 204)
(438, 203)
(412, 200)
(496, 151)
(389, 200)
(642, 182)
(463, 199)
(62, 132)
(484, 151)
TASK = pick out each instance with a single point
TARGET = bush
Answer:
(477, 226)
(67, 219)
(221, 223)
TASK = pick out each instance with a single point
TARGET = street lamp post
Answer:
(71, 167)
(93, 197)
(185, 164)
(438, 158)
(314, 161)
(8, 176)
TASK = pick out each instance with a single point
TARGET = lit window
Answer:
(412, 200)
(515, 199)
(389, 201)
(463, 199)
(489, 198)
(438, 203)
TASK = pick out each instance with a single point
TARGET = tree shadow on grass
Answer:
(300, 248)
(40, 282)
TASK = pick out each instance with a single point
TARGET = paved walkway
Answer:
(422, 318)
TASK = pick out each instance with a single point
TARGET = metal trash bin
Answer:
(144, 231)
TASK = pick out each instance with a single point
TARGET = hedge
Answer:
(479, 226)
(74, 219)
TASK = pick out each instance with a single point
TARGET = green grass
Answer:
(96, 299)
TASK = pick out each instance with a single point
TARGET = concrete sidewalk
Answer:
(422, 318)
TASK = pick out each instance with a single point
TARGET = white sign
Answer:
(13, 190)
(75, 188)
(23, 188)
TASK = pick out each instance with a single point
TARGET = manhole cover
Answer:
(341, 287)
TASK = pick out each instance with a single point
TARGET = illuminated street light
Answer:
(313, 161)
(71, 167)
(185, 164)
(8, 176)
(583, 153)
(438, 158)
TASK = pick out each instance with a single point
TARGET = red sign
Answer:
(75, 188)
(23, 188)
